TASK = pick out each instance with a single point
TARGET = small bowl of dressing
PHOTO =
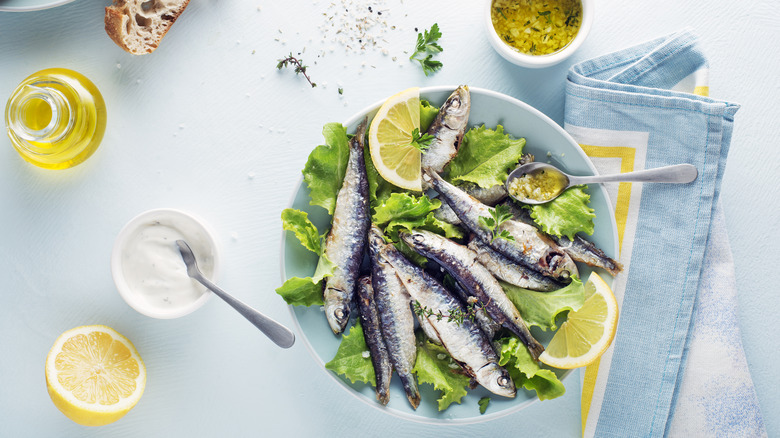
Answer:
(147, 267)
(537, 33)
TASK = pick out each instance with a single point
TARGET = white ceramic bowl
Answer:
(539, 61)
(198, 236)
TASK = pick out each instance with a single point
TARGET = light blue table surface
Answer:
(207, 124)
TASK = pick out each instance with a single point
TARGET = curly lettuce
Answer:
(565, 215)
(326, 166)
(526, 372)
(542, 308)
(435, 366)
(353, 359)
(305, 291)
(486, 157)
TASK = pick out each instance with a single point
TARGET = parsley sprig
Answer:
(421, 141)
(499, 215)
(300, 68)
(426, 47)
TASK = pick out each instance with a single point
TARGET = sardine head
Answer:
(457, 108)
(496, 379)
(561, 265)
(376, 240)
(337, 317)
(416, 239)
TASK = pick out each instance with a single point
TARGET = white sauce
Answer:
(153, 267)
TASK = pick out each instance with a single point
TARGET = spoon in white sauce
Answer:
(281, 335)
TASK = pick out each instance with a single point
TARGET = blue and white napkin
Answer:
(676, 366)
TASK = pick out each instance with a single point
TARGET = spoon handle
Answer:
(678, 173)
(279, 334)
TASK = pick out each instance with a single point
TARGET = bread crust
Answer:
(138, 26)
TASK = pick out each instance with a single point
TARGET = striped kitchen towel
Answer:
(676, 366)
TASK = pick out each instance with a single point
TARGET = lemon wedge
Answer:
(94, 375)
(587, 332)
(390, 138)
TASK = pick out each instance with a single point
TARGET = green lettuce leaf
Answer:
(483, 404)
(565, 215)
(526, 372)
(403, 210)
(428, 113)
(378, 188)
(436, 367)
(301, 292)
(542, 308)
(298, 222)
(327, 164)
(486, 157)
(446, 229)
(352, 359)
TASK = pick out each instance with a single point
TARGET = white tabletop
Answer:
(207, 124)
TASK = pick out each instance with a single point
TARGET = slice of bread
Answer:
(138, 25)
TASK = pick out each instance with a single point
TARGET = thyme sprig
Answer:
(498, 216)
(300, 68)
(456, 315)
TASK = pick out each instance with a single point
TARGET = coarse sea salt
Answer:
(356, 25)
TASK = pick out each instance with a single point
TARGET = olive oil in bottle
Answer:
(56, 118)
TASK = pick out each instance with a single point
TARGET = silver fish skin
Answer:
(513, 273)
(462, 264)
(465, 341)
(490, 196)
(428, 329)
(372, 332)
(488, 325)
(346, 239)
(529, 247)
(578, 249)
(447, 130)
(396, 318)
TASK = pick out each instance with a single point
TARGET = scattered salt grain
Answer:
(366, 354)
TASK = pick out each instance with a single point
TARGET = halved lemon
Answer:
(94, 375)
(587, 332)
(390, 138)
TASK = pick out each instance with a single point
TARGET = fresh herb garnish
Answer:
(421, 141)
(483, 404)
(501, 11)
(299, 67)
(499, 215)
(427, 45)
(457, 315)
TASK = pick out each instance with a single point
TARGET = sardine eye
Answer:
(455, 103)
(339, 314)
(503, 380)
(417, 238)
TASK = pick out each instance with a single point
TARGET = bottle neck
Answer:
(39, 114)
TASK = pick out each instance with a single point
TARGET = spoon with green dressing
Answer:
(538, 183)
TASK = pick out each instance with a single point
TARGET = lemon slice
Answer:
(390, 138)
(94, 375)
(588, 332)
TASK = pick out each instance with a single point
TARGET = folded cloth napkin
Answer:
(676, 366)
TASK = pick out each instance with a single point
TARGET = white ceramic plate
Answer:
(30, 5)
(542, 135)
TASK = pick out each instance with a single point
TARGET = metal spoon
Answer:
(281, 335)
(678, 173)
